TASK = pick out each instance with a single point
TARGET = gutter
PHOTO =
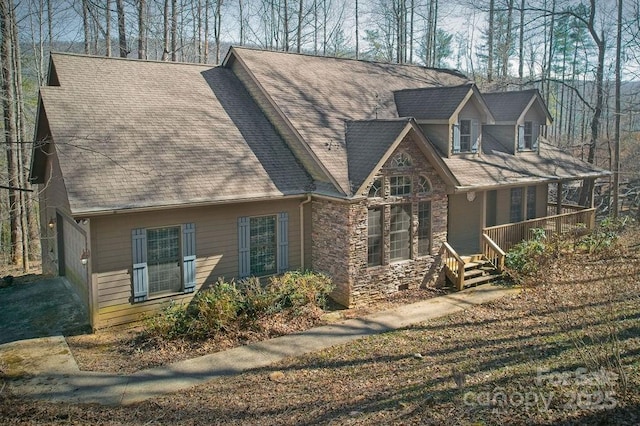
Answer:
(301, 207)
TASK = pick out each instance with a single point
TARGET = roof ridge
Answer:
(118, 58)
(345, 58)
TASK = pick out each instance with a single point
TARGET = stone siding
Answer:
(340, 237)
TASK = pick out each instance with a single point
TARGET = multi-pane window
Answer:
(465, 135)
(374, 242)
(164, 260)
(376, 189)
(401, 160)
(263, 245)
(528, 135)
(400, 232)
(423, 187)
(516, 205)
(424, 228)
(400, 185)
(531, 202)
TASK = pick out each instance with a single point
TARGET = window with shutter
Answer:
(263, 245)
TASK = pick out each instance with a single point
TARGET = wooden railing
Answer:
(493, 253)
(552, 209)
(505, 236)
(454, 265)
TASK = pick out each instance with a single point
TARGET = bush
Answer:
(226, 306)
(523, 258)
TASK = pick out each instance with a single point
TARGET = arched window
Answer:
(423, 187)
(401, 160)
(376, 189)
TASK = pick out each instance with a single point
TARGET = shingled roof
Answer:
(318, 94)
(495, 167)
(433, 103)
(133, 134)
(367, 142)
(509, 106)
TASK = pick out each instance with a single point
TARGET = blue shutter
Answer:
(140, 272)
(244, 243)
(189, 256)
(535, 130)
(475, 135)
(520, 138)
(283, 242)
(456, 138)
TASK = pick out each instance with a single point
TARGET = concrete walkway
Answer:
(56, 377)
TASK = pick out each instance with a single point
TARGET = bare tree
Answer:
(122, 34)
(142, 29)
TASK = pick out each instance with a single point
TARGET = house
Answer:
(158, 178)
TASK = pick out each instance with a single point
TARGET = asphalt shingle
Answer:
(135, 133)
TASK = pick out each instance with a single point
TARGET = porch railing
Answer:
(552, 209)
(506, 236)
(493, 253)
(454, 265)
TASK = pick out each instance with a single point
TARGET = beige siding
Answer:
(53, 200)
(216, 251)
(439, 134)
(469, 111)
(503, 206)
(504, 134)
(542, 195)
(465, 223)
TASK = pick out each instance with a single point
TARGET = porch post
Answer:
(592, 193)
(559, 198)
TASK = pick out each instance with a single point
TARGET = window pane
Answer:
(516, 205)
(401, 160)
(374, 243)
(400, 185)
(528, 134)
(424, 228)
(400, 232)
(164, 261)
(263, 245)
(531, 202)
(423, 185)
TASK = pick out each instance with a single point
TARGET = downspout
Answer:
(301, 207)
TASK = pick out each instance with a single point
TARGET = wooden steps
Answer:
(478, 270)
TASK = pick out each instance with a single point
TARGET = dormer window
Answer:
(401, 161)
(527, 136)
(465, 136)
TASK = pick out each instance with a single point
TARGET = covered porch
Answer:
(483, 244)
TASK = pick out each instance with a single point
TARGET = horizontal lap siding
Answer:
(216, 251)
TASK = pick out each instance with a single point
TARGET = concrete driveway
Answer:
(44, 308)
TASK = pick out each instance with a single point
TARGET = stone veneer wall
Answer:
(340, 238)
(330, 245)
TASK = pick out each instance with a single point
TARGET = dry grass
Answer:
(438, 372)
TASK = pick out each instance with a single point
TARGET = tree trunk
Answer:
(616, 155)
(521, 45)
(142, 29)
(490, 41)
(217, 28)
(122, 34)
(299, 30)
(207, 4)
(10, 130)
(107, 38)
(357, 32)
(174, 29)
(241, 12)
(85, 26)
(165, 31)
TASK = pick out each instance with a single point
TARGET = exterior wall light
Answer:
(52, 223)
(84, 258)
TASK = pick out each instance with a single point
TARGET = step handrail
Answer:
(450, 253)
(496, 259)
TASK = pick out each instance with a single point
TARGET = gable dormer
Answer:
(520, 119)
(451, 117)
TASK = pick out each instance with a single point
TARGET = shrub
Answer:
(223, 306)
(297, 289)
(604, 236)
(523, 258)
(172, 322)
